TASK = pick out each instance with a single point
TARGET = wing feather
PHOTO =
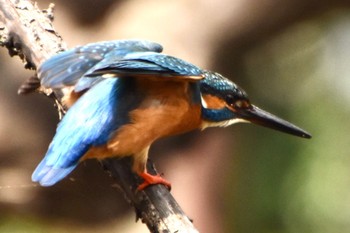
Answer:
(66, 68)
(147, 63)
(78, 131)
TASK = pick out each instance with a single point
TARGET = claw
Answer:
(151, 180)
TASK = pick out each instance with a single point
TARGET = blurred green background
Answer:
(292, 58)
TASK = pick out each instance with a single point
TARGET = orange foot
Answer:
(151, 180)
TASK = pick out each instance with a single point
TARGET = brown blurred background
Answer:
(291, 56)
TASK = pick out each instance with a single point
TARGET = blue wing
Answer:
(140, 63)
(79, 130)
(66, 68)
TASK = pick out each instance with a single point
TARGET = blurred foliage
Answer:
(17, 224)
(283, 184)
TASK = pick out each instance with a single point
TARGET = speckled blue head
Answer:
(224, 103)
(214, 85)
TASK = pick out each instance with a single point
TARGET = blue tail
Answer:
(59, 161)
(48, 175)
(88, 122)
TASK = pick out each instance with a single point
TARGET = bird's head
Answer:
(224, 103)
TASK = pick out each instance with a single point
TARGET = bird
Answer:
(124, 95)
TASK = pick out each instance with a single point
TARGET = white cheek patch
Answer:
(204, 104)
(206, 124)
(109, 75)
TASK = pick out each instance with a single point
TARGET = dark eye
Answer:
(230, 100)
(242, 104)
(236, 102)
(239, 103)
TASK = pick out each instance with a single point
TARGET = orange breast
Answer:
(166, 110)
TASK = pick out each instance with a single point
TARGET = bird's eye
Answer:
(230, 99)
(241, 104)
(236, 103)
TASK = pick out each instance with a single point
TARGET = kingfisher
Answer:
(123, 95)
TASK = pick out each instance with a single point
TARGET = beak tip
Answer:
(306, 135)
(261, 117)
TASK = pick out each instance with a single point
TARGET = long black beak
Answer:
(260, 117)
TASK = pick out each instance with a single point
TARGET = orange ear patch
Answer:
(213, 102)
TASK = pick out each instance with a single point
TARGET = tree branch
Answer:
(27, 31)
